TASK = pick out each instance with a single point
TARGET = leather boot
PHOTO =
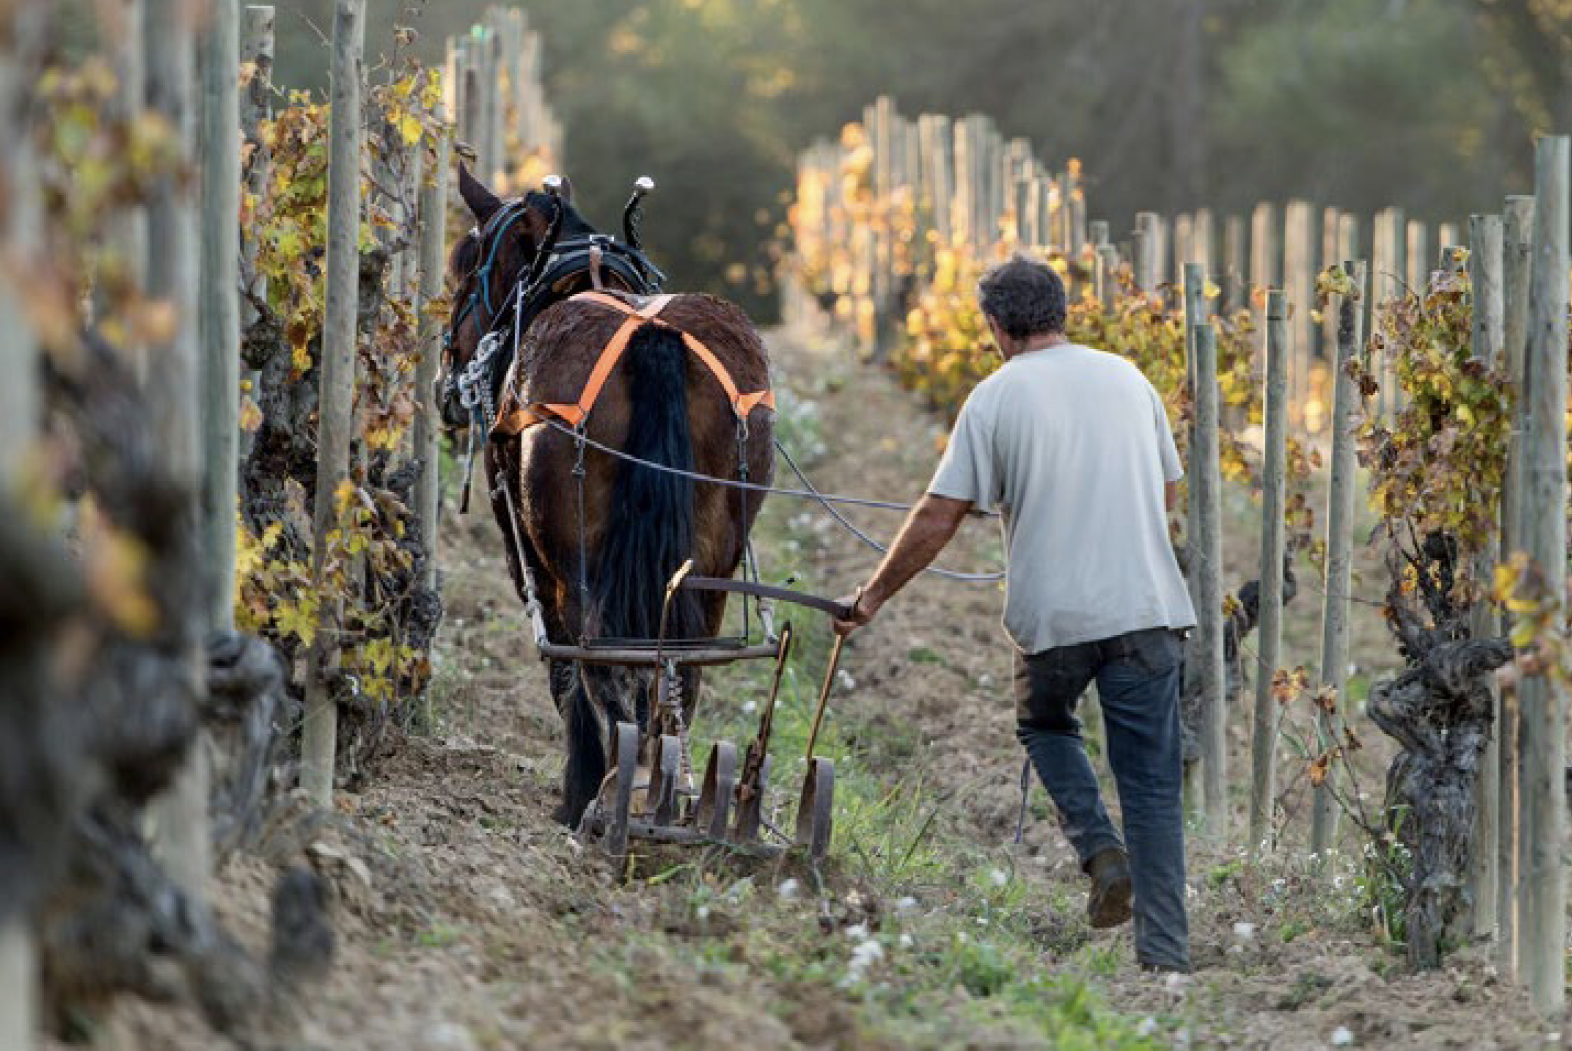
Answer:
(1108, 902)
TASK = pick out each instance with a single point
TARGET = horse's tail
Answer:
(650, 530)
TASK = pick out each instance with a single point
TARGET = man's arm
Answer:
(928, 527)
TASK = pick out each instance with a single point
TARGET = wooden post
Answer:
(939, 136)
(1299, 293)
(1542, 728)
(1206, 560)
(433, 244)
(1484, 264)
(1339, 546)
(1235, 266)
(1184, 241)
(1330, 256)
(319, 737)
(470, 113)
(1148, 252)
(179, 815)
(1142, 249)
(961, 203)
(123, 33)
(1077, 215)
(1263, 257)
(485, 44)
(1380, 265)
(1102, 276)
(1202, 233)
(219, 312)
(1418, 250)
(1263, 782)
(1194, 304)
(1161, 238)
(1348, 246)
(1446, 234)
(19, 419)
(1517, 243)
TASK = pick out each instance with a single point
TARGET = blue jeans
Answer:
(1137, 678)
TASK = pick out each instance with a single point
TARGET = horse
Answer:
(601, 535)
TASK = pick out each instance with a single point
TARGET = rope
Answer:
(825, 500)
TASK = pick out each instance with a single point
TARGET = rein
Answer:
(808, 492)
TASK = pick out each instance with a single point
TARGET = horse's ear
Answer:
(567, 189)
(483, 204)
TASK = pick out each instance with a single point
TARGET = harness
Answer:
(514, 418)
(481, 381)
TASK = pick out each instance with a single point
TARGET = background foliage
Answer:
(1428, 104)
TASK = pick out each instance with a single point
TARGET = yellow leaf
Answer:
(250, 416)
(409, 129)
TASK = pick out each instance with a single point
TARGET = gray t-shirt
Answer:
(1073, 445)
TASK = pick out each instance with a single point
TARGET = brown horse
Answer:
(604, 575)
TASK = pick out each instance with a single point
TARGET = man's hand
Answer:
(862, 611)
(928, 527)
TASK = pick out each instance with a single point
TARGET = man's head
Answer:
(1023, 300)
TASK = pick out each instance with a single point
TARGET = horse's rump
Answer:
(632, 530)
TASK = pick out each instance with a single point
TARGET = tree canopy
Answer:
(1171, 104)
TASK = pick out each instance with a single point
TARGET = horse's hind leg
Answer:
(586, 735)
(596, 700)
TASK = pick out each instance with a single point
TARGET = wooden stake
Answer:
(319, 738)
(1206, 560)
(1194, 302)
(219, 314)
(1542, 727)
(1234, 264)
(1263, 783)
(1339, 545)
(433, 244)
(1484, 264)
(1263, 257)
(1517, 244)
(179, 816)
(1299, 293)
(19, 419)
(1418, 251)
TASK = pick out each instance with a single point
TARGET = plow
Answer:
(650, 792)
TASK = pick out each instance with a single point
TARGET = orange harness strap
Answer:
(513, 419)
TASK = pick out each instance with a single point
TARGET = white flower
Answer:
(999, 877)
(1341, 1037)
(845, 681)
(906, 904)
(904, 941)
(867, 952)
(749, 707)
(857, 932)
(787, 888)
(1146, 1027)
(1244, 931)
(703, 912)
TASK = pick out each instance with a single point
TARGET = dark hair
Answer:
(1024, 296)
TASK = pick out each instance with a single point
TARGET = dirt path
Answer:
(467, 919)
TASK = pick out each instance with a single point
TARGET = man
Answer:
(1073, 445)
